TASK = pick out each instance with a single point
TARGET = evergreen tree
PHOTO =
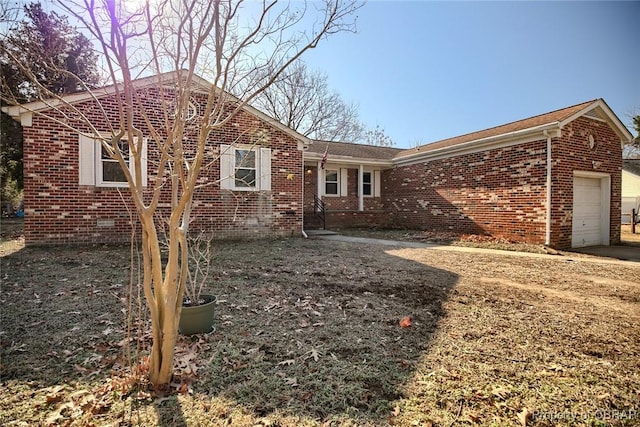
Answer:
(41, 55)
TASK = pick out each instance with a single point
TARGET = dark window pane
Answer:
(332, 188)
(331, 176)
(124, 149)
(245, 159)
(245, 178)
(111, 172)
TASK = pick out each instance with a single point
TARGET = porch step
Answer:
(313, 233)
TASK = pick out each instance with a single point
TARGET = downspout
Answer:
(304, 234)
(547, 239)
(360, 188)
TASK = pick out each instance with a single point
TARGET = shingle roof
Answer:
(631, 166)
(531, 122)
(348, 149)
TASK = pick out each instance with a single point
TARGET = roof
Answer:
(162, 79)
(349, 149)
(529, 127)
(631, 166)
(542, 119)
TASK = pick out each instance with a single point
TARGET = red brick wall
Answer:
(502, 192)
(499, 192)
(59, 210)
(342, 211)
(571, 152)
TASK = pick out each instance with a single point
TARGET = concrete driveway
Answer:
(621, 252)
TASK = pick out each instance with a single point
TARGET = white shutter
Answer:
(86, 160)
(227, 167)
(144, 162)
(344, 177)
(376, 183)
(265, 169)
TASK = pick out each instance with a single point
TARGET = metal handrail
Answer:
(320, 210)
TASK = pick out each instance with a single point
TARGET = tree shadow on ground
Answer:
(313, 330)
(307, 329)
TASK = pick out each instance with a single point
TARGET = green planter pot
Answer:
(198, 319)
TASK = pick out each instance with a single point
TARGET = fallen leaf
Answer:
(293, 382)
(405, 322)
(287, 362)
(314, 353)
(524, 416)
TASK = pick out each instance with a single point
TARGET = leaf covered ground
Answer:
(308, 333)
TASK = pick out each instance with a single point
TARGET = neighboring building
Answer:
(630, 188)
(73, 193)
(551, 179)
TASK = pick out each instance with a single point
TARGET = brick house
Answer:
(551, 179)
(74, 193)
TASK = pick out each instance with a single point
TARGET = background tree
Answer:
(61, 60)
(636, 125)
(301, 99)
(241, 47)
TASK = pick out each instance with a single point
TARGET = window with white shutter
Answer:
(245, 168)
(98, 168)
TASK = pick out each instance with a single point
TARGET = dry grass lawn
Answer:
(308, 334)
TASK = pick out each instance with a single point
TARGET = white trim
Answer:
(605, 203)
(337, 182)
(479, 145)
(618, 127)
(351, 161)
(228, 167)
(90, 164)
(157, 80)
(99, 182)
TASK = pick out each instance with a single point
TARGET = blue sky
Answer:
(427, 70)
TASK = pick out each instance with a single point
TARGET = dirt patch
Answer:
(308, 333)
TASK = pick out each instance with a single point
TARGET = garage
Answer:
(590, 225)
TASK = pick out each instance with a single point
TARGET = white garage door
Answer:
(587, 212)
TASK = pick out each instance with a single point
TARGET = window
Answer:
(366, 184)
(245, 168)
(109, 170)
(97, 168)
(331, 182)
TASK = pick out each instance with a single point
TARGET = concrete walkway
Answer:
(627, 255)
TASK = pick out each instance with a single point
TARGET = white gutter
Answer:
(475, 144)
(547, 238)
(347, 160)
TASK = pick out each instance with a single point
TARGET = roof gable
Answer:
(158, 80)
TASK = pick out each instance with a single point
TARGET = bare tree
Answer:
(232, 44)
(301, 99)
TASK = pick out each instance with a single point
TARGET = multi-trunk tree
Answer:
(240, 47)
